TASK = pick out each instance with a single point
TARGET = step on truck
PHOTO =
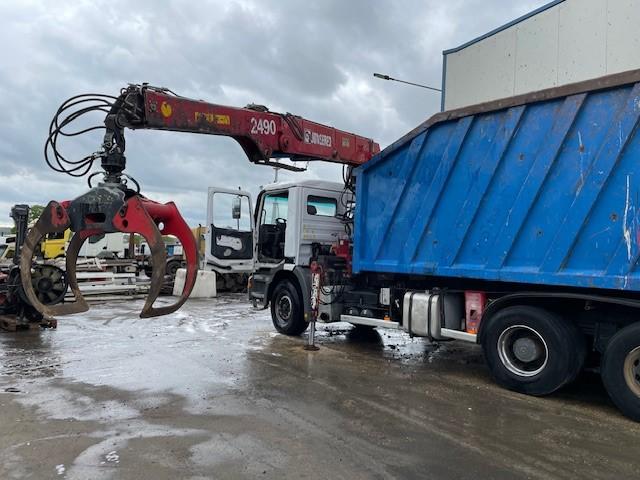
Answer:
(513, 224)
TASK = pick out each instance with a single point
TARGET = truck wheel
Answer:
(620, 370)
(172, 267)
(532, 351)
(287, 313)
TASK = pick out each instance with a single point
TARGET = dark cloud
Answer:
(314, 59)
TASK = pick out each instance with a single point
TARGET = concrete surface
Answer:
(212, 392)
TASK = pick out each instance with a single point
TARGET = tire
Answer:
(287, 313)
(620, 370)
(532, 351)
(172, 267)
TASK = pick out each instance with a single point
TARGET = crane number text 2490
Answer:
(263, 126)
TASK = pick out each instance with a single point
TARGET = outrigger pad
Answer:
(108, 209)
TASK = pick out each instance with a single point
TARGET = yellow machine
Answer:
(55, 244)
(199, 232)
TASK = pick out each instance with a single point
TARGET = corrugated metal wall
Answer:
(571, 41)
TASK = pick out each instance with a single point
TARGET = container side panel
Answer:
(619, 133)
(381, 205)
(612, 217)
(481, 152)
(426, 206)
(483, 176)
(518, 212)
(566, 179)
(545, 193)
(403, 218)
(508, 181)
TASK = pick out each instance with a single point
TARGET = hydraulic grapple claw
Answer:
(105, 209)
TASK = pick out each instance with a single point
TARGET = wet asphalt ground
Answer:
(213, 392)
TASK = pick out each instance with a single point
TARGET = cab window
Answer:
(322, 206)
(231, 212)
(275, 206)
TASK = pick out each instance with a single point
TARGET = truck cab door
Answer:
(229, 241)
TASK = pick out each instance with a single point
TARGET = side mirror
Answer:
(312, 210)
(236, 208)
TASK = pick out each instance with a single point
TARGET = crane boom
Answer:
(262, 134)
(113, 206)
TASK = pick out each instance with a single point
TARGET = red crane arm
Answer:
(262, 134)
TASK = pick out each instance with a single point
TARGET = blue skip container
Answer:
(543, 188)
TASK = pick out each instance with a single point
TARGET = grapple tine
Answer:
(135, 219)
(71, 264)
(158, 259)
(174, 224)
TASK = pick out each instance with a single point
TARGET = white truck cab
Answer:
(274, 243)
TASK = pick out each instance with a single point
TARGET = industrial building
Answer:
(563, 42)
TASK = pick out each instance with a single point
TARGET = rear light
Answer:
(474, 303)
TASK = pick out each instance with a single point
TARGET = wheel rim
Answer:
(284, 309)
(523, 351)
(632, 370)
(49, 284)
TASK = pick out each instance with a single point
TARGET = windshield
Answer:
(274, 207)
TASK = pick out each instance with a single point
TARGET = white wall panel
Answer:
(623, 35)
(468, 73)
(571, 41)
(582, 40)
(537, 52)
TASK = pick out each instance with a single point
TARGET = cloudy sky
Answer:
(311, 58)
